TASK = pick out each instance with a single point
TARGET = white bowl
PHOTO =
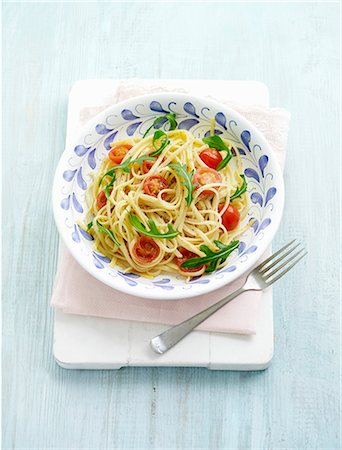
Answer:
(133, 117)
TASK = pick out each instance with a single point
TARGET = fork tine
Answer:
(271, 281)
(281, 258)
(262, 265)
(267, 274)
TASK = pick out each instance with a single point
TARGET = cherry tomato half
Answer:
(211, 157)
(186, 254)
(154, 184)
(230, 218)
(145, 250)
(101, 200)
(147, 165)
(204, 176)
(118, 153)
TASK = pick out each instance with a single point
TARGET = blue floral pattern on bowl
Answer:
(265, 188)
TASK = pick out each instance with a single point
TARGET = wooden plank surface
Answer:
(293, 48)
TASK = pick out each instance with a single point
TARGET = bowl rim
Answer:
(156, 294)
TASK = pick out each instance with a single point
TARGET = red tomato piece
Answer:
(186, 254)
(147, 165)
(154, 184)
(206, 175)
(118, 153)
(145, 250)
(230, 218)
(101, 200)
(211, 157)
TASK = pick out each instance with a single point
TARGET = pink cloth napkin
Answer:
(77, 292)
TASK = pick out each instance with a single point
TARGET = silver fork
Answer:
(261, 277)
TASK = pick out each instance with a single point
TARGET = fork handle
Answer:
(166, 340)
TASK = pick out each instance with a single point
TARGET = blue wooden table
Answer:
(293, 48)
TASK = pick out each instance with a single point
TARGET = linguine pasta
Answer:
(190, 205)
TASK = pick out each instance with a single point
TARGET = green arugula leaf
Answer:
(181, 170)
(90, 224)
(105, 230)
(225, 160)
(172, 121)
(219, 245)
(212, 258)
(215, 142)
(240, 190)
(170, 117)
(110, 173)
(153, 232)
(125, 166)
(142, 158)
(107, 189)
(164, 142)
(158, 119)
